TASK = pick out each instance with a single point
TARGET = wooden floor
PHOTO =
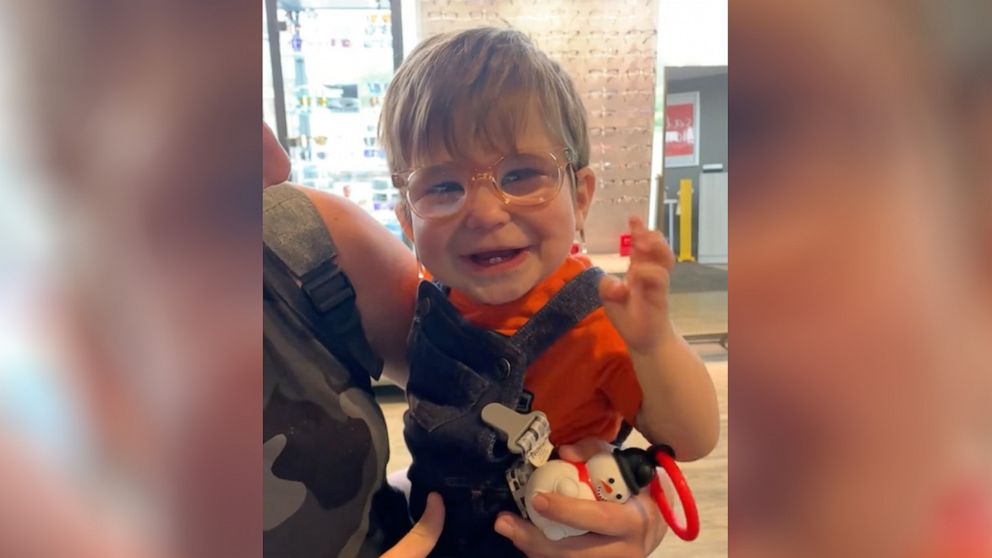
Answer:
(708, 480)
(707, 477)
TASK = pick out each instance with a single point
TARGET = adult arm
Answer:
(383, 272)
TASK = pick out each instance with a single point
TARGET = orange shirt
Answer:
(585, 382)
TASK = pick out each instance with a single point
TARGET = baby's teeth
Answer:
(495, 260)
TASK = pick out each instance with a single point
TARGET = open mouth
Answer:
(494, 258)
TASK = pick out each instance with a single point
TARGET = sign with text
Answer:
(682, 130)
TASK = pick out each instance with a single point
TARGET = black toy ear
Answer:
(643, 474)
(636, 466)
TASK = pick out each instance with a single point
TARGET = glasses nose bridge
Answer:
(488, 176)
(487, 173)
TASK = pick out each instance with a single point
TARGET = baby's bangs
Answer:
(501, 121)
(472, 91)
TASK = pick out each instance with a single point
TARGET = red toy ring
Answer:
(690, 530)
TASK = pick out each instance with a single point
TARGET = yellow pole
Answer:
(685, 220)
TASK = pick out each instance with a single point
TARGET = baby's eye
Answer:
(520, 174)
(445, 188)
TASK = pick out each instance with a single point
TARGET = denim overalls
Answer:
(456, 369)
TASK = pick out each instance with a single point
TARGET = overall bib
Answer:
(456, 369)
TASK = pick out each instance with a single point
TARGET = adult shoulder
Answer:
(382, 270)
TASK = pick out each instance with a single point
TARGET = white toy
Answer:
(597, 479)
(607, 477)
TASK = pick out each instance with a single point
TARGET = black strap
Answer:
(576, 300)
(296, 240)
(327, 286)
(294, 231)
(625, 429)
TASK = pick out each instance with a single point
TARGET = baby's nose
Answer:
(484, 208)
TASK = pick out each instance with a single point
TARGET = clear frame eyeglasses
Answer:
(524, 179)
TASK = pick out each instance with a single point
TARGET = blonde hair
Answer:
(494, 75)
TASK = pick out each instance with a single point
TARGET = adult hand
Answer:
(631, 530)
(419, 542)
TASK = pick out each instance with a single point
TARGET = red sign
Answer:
(680, 130)
(625, 245)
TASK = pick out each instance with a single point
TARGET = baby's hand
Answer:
(638, 305)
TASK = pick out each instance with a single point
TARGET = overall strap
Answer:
(576, 300)
(295, 236)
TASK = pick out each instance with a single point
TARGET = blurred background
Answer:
(860, 219)
(130, 294)
(860, 132)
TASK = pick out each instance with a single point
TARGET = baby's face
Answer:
(494, 252)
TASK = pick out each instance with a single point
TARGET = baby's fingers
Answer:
(649, 246)
(648, 277)
(612, 289)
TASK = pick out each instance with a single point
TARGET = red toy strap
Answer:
(690, 530)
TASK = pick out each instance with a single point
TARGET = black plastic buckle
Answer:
(327, 286)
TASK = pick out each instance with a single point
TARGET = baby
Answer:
(488, 144)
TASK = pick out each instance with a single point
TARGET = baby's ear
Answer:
(585, 189)
(406, 223)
